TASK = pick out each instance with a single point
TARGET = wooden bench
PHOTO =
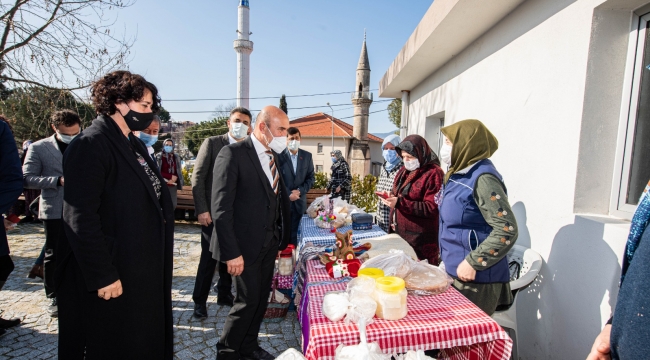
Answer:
(315, 193)
(185, 199)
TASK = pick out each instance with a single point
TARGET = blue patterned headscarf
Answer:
(639, 223)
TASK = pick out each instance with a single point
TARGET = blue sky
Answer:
(300, 47)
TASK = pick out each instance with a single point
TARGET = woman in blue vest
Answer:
(477, 226)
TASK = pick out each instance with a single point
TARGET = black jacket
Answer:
(116, 228)
(241, 195)
(202, 173)
(303, 178)
(11, 178)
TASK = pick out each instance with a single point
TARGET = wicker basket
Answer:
(276, 310)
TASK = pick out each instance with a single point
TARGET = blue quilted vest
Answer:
(462, 226)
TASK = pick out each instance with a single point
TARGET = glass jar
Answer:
(390, 295)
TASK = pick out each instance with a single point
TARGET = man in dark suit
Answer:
(239, 126)
(252, 221)
(298, 175)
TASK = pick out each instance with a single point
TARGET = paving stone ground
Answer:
(36, 337)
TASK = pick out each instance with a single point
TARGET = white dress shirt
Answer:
(264, 158)
(231, 140)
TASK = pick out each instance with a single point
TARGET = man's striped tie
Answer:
(274, 171)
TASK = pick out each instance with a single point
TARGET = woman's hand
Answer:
(600, 350)
(390, 202)
(338, 189)
(465, 271)
(111, 291)
(174, 178)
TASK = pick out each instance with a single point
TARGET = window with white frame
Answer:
(635, 164)
(319, 168)
(320, 148)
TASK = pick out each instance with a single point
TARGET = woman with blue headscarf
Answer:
(386, 179)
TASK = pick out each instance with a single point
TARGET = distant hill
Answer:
(383, 135)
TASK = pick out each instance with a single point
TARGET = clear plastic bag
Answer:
(427, 279)
(338, 222)
(291, 354)
(362, 307)
(413, 355)
(363, 351)
(395, 263)
(321, 203)
(361, 286)
(336, 305)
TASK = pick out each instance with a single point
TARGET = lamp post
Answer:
(328, 104)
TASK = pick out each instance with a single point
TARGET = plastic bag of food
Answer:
(426, 279)
(319, 204)
(339, 221)
(395, 263)
(363, 286)
(363, 351)
(291, 354)
(335, 305)
(361, 307)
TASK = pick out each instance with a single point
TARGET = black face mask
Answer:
(137, 121)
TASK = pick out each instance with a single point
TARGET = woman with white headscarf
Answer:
(386, 179)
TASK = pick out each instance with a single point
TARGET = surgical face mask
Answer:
(137, 121)
(334, 159)
(148, 140)
(239, 130)
(168, 148)
(294, 145)
(411, 165)
(278, 144)
(445, 153)
(66, 138)
(390, 155)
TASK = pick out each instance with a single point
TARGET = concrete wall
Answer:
(548, 81)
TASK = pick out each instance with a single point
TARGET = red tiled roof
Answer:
(320, 125)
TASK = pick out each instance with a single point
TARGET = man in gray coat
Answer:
(239, 126)
(43, 169)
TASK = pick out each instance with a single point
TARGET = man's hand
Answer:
(235, 266)
(465, 271)
(61, 180)
(601, 350)
(390, 202)
(295, 195)
(111, 291)
(205, 219)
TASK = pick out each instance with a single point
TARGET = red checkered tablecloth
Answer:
(447, 321)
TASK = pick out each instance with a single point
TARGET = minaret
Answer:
(361, 99)
(244, 48)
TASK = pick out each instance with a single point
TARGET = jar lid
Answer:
(390, 284)
(371, 272)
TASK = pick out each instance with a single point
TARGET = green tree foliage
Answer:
(395, 112)
(363, 192)
(30, 109)
(194, 135)
(283, 104)
(164, 115)
(320, 180)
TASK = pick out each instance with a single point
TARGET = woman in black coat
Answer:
(115, 271)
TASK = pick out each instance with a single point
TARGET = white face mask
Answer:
(294, 145)
(411, 165)
(278, 144)
(239, 130)
(445, 153)
(66, 139)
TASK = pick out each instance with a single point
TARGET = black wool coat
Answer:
(115, 228)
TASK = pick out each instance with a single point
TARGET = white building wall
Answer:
(526, 79)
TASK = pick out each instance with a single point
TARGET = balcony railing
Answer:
(362, 95)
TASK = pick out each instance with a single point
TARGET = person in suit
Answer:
(298, 175)
(114, 270)
(252, 221)
(239, 126)
(11, 185)
(43, 169)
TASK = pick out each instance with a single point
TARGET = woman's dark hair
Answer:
(6, 121)
(65, 118)
(120, 86)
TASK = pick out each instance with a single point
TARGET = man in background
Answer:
(239, 126)
(298, 174)
(43, 169)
